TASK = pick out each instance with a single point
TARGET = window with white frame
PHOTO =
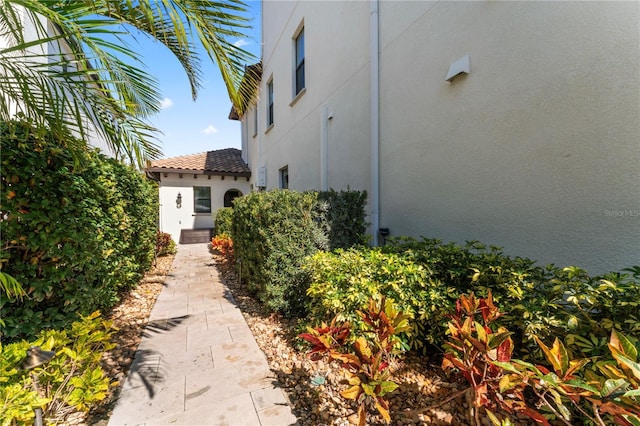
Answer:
(202, 199)
(270, 103)
(299, 62)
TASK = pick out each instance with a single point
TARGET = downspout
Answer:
(375, 129)
(324, 148)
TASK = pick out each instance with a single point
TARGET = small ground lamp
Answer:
(35, 358)
(179, 200)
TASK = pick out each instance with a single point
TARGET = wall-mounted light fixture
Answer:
(179, 200)
(458, 68)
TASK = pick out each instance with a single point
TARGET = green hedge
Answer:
(345, 217)
(77, 227)
(272, 233)
(223, 219)
(425, 278)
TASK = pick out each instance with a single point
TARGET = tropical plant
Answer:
(224, 245)
(165, 244)
(71, 66)
(73, 381)
(365, 359)
(472, 349)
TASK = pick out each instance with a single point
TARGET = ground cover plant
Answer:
(72, 381)
(77, 229)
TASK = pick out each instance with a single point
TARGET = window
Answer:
(284, 177)
(202, 199)
(270, 103)
(255, 121)
(299, 62)
(231, 195)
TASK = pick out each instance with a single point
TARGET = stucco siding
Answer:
(174, 219)
(537, 149)
(294, 140)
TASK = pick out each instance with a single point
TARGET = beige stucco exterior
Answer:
(537, 149)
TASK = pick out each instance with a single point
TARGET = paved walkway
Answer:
(198, 363)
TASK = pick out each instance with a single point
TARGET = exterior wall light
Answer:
(179, 200)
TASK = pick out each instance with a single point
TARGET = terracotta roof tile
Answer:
(222, 161)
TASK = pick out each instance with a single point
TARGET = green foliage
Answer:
(72, 381)
(342, 283)
(77, 227)
(272, 233)
(223, 220)
(366, 358)
(345, 217)
(165, 244)
(425, 277)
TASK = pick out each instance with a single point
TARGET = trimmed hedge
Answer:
(345, 217)
(426, 277)
(223, 219)
(272, 232)
(77, 227)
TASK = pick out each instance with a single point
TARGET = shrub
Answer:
(224, 245)
(272, 233)
(345, 217)
(72, 381)
(223, 219)
(165, 244)
(426, 277)
(366, 357)
(343, 282)
(562, 390)
(77, 227)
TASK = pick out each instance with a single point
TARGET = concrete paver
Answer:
(198, 362)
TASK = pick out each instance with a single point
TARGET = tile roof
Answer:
(220, 162)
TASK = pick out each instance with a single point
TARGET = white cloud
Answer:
(166, 103)
(242, 42)
(210, 130)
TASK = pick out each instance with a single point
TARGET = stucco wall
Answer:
(331, 80)
(537, 149)
(173, 219)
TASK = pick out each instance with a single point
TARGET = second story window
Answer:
(270, 103)
(299, 62)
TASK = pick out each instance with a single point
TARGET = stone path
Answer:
(198, 363)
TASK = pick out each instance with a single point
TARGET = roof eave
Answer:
(198, 172)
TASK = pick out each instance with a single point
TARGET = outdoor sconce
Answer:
(179, 200)
(35, 358)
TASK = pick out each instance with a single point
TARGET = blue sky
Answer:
(190, 127)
